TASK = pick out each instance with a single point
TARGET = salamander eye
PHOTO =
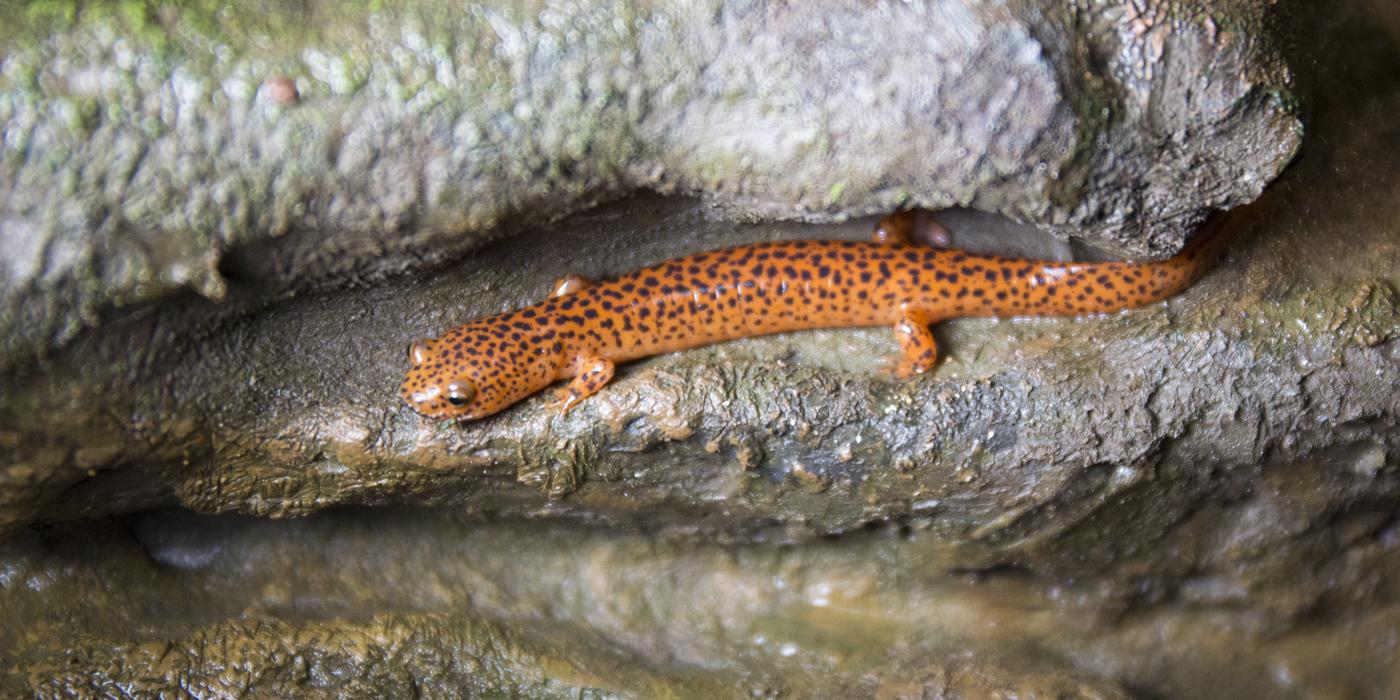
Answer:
(459, 393)
(417, 352)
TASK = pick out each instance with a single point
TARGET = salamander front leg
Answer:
(918, 352)
(595, 373)
(568, 284)
(911, 227)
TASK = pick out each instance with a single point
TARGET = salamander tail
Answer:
(1209, 243)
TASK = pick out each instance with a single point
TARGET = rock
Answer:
(361, 602)
(241, 154)
(1194, 498)
(469, 610)
(1027, 439)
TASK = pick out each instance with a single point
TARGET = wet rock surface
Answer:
(373, 603)
(1191, 500)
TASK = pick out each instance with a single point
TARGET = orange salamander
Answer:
(584, 328)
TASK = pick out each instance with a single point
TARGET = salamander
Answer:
(585, 328)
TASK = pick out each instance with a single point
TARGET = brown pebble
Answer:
(282, 90)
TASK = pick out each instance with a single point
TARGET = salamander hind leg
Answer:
(595, 373)
(568, 284)
(911, 227)
(918, 352)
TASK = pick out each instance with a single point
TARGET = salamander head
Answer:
(465, 377)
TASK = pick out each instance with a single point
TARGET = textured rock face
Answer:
(365, 603)
(1195, 498)
(150, 148)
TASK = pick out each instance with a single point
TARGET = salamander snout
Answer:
(476, 370)
(431, 389)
